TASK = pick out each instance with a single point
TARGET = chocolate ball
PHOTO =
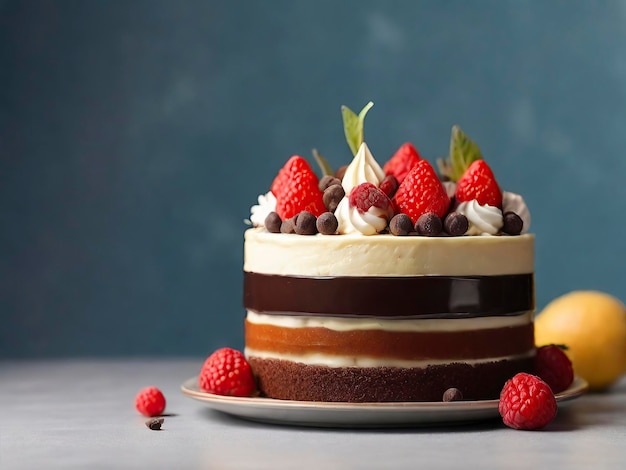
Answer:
(456, 224)
(289, 225)
(428, 225)
(327, 223)
(332, 196)
(273, 222)
(400, 225)
(341, 171)
(305, 224)
(452, 394)
(513, 223)
(328, 180)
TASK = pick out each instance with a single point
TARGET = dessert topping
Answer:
(482, 219)
(327, 181)
(554, 367)
(363, 168)
(288, 225)
(367, 210)
(479, 183)
(526, 402)
(455, 224)
(512, 202)
(155, 423)
(296, 189)
(389, 185)
(327, 223)
(259, 212)
(403, 161)
(353, 126)
(400, 224)
(512, 223)
(463, 151)
(273, 222)
(227, 372)
(333, 194)
(422, 192)
(429, 224)
(305, 224)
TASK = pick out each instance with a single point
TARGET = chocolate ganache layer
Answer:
(387, 296)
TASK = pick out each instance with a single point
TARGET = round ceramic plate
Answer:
(353, 415)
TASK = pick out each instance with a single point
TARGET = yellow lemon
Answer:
(592, 325)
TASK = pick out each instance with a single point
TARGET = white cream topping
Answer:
(483, 220)
(362, 168)
(386, 255)
(364, 361)
(411, 325)
(351, 220)
(258, 212)
(515, 203)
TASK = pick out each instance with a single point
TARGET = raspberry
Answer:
(554, 367)
(226, 372)
(150, 401)
(367, 195)
(527, 402)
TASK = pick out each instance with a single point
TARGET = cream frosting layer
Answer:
(412, 325)
(345, 361)
(386, 255)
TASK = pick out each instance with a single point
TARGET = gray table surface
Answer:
(80, 414)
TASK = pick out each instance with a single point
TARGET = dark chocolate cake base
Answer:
(288, 380)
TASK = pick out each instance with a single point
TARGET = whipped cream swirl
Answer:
(512, 202)
(258, 212)
(482, 219)
(352, 220)
(363, 168)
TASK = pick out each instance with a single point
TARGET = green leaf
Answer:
(463, 152)
(323, 163)
(353, 126)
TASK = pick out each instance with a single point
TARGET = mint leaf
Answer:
(353, 126)
(463, 152)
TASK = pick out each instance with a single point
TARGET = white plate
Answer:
(353, 415)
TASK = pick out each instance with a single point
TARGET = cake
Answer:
(388, 284)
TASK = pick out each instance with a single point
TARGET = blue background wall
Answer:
(135, 135)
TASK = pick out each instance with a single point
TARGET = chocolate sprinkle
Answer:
(513, 223)
(305, 224)
(273, 222)
(400, 224)
(327, 223)
(328, 180)
(332, 196)
(428, 224)
(456, 224)
(452, 394)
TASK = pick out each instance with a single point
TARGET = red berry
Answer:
(296, 188)
(402, 162)
(389, 185)
(554, 367)
(226, 372)
(367, 195)
(150, 401)
(527, 402)
(421, 192)
(479, 183)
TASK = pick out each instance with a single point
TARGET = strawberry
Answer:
(403, 161)
(227, 372)
(367, 195)
(296, 188)
(479, 183)
(421, 192)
